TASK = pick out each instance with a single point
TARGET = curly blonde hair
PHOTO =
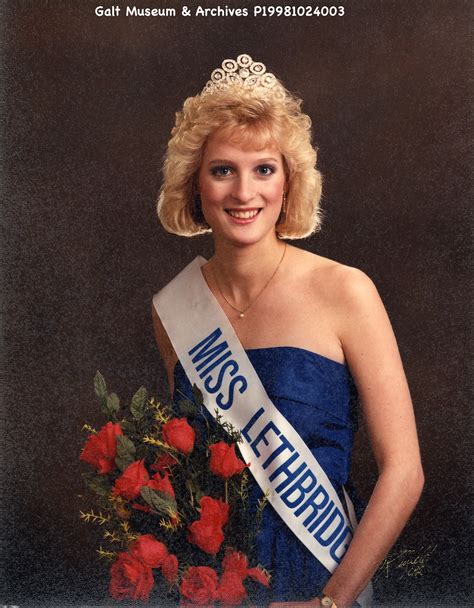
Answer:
(256, 120)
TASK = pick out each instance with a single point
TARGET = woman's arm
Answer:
(165, 347)
(373, 357)
(372, 354)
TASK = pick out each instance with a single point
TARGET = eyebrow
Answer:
(223, 161)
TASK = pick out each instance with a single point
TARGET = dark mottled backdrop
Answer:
(88, 106)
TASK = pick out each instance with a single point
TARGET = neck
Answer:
(242, 270)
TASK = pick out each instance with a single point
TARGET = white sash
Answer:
(282, 464)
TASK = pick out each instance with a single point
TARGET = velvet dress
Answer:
(318, 397)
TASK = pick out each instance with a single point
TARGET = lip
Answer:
(240, 220)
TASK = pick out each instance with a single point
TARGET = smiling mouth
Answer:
(243, 214)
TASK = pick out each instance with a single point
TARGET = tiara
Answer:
(244, 72)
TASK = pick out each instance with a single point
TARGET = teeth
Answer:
(243, 215)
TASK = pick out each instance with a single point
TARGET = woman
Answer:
(240, 165)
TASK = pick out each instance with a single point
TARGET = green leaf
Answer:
(123, 462)
(100, 386)
(97, 483)
(187, 408)
(197, 395)
(159, 501)
(113, 403)
(125, 447)
(137, 406)
(103, 406)
(128, 427)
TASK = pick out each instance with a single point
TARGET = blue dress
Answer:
(317, 396)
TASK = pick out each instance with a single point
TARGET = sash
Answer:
(282, 464)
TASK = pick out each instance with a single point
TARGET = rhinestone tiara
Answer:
(244, 72)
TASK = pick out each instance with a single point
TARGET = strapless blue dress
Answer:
(318, 397)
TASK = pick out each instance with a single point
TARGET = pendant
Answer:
(242, 315)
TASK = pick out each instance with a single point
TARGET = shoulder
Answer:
(340, 285)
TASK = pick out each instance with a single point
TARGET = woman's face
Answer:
(241, 189)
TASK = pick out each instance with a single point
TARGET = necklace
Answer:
(242, 312)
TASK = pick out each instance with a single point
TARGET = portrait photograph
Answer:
(236, 287)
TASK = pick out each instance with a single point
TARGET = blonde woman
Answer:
(240, 165)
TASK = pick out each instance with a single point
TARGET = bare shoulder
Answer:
(339, 285)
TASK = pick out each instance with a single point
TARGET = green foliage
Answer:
(128, 427)
(113, 403)
(162, 503)
(137, 407)
(125, 452)
(99, 484)
(100, 386)
(190, 477)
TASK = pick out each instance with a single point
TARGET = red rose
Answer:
(224, 461)
(101, 448)
(259, 575)
(169, 568)
(164, 462)
(134, 477)
(179, 434)
(162, 484)
(199, 585)
(214, 510)
(235, 561)
(150, 551)
(206, 535)
(130, 578)
(231, 590)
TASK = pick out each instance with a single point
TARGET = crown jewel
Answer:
(244, 72)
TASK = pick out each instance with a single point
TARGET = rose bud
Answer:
(100, 449)
(179, 434)
(169, 568)
(214, 510)
(199, 585)
(130, 578)
(129, 484)
(150, 551)
(231, 590)
(235, 561)
(259, 575)
(224, 461)
(162, 484)
(164, 462)
(206, 535)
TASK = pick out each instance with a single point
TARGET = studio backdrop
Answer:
(89, 100)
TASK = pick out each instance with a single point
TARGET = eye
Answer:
(221, 171)
(265, 170)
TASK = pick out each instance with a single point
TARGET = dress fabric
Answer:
(317, 396)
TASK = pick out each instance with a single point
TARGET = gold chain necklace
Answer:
(242, 312)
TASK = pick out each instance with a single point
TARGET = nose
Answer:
(243, 190)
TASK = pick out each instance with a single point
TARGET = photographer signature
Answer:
(409, 562)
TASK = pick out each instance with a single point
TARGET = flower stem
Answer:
(226, 487)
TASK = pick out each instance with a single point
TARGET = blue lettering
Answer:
(285, 469)
(301, 489)
(311, 502)
(319, 534)
(321, 518)
(225, 405)
(205, 351)
(213, 365)
(261, 436)
(285, 445)
(346, 532)
(213, 388)
(250, 423)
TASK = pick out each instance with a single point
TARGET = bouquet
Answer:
(171, 498)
